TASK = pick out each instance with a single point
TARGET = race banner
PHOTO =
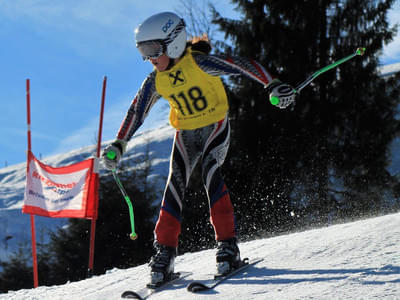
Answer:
(62, 192)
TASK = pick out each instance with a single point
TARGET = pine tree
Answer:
(327, 156)
(16, 273)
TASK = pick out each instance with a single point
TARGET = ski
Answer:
(150, 289)
(197, 286)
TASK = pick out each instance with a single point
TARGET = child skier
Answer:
(188, 77)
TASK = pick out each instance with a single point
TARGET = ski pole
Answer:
(360, 51)
(111, 155)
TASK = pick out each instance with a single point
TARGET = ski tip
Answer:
(195, 287)
(130, 295)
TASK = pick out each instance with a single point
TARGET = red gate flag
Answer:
(63, 192)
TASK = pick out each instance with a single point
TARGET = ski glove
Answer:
(282, 93)
(112, 154)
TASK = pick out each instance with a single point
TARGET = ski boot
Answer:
(227, 256)
(162, 264)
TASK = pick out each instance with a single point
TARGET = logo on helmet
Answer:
(167, 25)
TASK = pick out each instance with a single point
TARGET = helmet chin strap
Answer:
(170, 63)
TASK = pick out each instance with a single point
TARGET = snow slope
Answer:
(359, 260)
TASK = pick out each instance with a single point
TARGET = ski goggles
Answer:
(151, 49)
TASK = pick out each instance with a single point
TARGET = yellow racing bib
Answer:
(196, 98)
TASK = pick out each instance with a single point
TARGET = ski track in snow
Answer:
(358, 260)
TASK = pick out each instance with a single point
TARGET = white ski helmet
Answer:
(161, 33)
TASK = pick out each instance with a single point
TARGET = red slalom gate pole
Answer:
(93, 221)
(33, 231)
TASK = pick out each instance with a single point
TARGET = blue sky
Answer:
(66, 48)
